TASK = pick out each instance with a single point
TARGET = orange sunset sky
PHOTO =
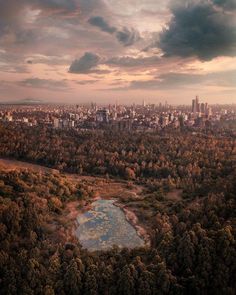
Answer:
(76, 51)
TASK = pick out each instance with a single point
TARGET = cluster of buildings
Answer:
(9, 117)
(199, 108)
(144, 117)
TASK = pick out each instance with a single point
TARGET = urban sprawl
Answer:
(142, 117)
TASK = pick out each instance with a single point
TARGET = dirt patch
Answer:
(102, 187)
(10, 165)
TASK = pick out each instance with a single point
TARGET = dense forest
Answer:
(180, 157)
(193, 239)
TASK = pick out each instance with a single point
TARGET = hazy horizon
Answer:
(79, 51)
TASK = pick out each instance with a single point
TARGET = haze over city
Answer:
(76, 51)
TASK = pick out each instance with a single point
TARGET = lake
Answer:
(105, 225)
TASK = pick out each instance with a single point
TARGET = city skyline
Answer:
(78, 51)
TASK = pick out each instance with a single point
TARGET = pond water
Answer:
(105, 225)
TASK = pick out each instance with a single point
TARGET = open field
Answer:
(103, 188)
(9, 165)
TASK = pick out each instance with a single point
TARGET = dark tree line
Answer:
(185, 159)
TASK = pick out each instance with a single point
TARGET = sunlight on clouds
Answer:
(31, 15)
(216, 65)
(114, 43)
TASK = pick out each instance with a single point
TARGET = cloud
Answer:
(125, 36)
(89, 61)
(44, 84)
(13, 11)
(12, 63)
(85, 82)
(226, 4)
(56, 4)
(10, 68)
(47, 59)
(85, 64)
(133, 62)
(19, 19)
(169, 81)
(92, 37)
(183, 80)
(89, 6)
(99, 22)
(198, 28)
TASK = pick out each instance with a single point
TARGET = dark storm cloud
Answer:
(99, 22)
(85, 64)
(199, 29)
(125, 36)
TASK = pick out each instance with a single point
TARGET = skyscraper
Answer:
(196, 106)
(203, 108)
(193, 106)
(102, 116)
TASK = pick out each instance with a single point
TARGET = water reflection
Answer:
(105, 225)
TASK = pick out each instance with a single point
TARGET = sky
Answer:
(106, 51)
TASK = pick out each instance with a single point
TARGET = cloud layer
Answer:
(145, 46)
(44, 84)
(183, 80)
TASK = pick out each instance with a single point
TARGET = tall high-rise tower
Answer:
(193, 106)
(196, 106)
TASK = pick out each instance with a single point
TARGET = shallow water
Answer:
(105, 225)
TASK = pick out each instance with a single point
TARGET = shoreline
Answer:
(133, 220)
(72, 211)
